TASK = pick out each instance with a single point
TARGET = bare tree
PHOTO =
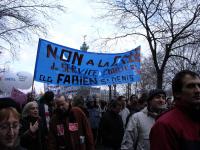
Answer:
(167, 25)
(186, 58)
(20, 19)
(148, 76)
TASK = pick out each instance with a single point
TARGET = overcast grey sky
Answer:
(68, 29)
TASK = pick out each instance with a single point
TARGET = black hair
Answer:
(114, 103)
(133, 96)
(6, 102)
(48, 96)
(154, 92)
(177, 81)
(119, 98)
(78, 101)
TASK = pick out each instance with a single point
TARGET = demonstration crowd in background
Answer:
(149, 122)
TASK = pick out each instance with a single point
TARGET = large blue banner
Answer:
(61, 65)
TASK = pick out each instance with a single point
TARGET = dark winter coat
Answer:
(16, 146)
(111, 129)
(175, 130)
(29, 140)
(71, 132)
(41, 107)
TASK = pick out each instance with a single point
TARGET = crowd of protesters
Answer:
(151, 121)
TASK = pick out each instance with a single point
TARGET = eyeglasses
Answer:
(6, 127)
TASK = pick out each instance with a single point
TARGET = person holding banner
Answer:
(69, 128)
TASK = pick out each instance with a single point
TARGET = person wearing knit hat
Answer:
(158, 104)
(137, 131)
(9, 124)
(155, 92)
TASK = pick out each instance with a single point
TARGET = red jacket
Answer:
(175, 130)
(70, 133)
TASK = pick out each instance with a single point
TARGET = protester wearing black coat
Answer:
(31, 130)
(111, 127)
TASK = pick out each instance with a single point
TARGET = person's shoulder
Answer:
(20, 148)
(170, 120)
(107, 114)
(127, 110)
(77, 111)
(170, 116)
(54, 118)
(137, 116)
(142, 112)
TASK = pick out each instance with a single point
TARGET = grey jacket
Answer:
(136, 135)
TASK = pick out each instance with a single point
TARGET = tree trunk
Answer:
(129, 90)
(159, 79)
(110, 92)
(115, 91)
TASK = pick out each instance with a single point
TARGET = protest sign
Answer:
(61, 65)
(18, 96)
